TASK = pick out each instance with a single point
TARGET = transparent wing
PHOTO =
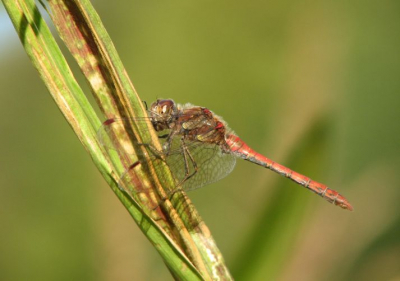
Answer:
(193, 164)
(200, 165)
(115, 134)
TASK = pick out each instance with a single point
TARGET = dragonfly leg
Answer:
(186, 153)
(195, 168)
(153, 150)
(168, 143)
(186, 157)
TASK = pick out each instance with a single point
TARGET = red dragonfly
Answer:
(199, 148)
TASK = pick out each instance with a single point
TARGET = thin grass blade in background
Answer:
(269, 242)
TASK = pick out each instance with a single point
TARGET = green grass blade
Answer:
(54, 71)
(81, 29)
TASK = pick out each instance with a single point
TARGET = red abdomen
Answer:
(239, 148)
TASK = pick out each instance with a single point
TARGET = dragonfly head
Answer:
(162, 111)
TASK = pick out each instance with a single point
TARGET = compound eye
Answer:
(163, 107)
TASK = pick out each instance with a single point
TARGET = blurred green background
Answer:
(314, 85)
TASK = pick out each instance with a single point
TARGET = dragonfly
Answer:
(199, 148)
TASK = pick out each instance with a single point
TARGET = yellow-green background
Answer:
(314, 85)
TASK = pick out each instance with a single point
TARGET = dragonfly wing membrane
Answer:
(200, 165)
